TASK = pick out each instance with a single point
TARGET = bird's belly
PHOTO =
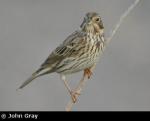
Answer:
(79, 64)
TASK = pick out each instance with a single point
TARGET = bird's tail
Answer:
(38, 73)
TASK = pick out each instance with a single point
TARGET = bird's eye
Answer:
(97, 19)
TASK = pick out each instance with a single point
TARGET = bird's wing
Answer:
(64, 50)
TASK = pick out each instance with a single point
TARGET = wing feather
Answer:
(65, 49)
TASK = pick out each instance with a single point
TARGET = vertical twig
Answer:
(122, 18)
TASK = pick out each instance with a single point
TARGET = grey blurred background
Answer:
(31, 29)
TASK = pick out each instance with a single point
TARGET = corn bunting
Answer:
(80, 51)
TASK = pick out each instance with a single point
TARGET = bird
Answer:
(80, 51)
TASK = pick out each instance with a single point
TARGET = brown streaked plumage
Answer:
(80, 51)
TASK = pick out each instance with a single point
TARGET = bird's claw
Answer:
(74, 95)
(88, 73)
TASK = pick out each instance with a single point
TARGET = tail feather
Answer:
(38, 73)
(32, 77)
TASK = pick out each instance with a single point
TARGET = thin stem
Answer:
(122, 18)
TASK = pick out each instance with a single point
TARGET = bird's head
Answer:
(92, 23)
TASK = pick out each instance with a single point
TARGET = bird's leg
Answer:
(76, 92)
(72, 93)
(87, 73)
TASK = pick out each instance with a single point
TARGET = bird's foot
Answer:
(74, 95)
(88, 73)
